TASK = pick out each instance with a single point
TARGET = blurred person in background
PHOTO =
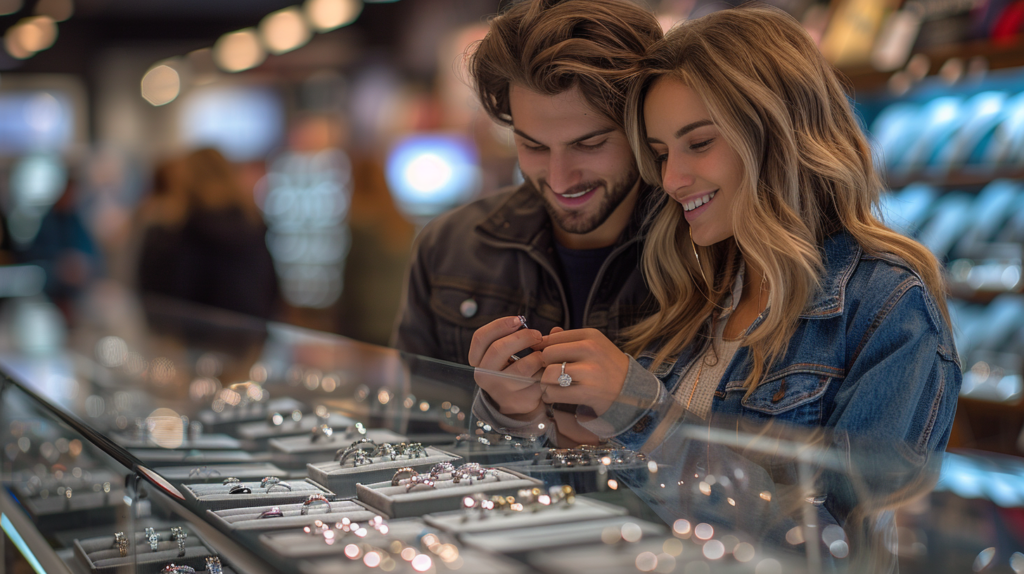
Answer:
(204, 239)
(562, 249)
(65, 250)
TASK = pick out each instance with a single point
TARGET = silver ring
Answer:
(213, 565)
(178, 532)
(175, 569)
(564, 380)
(278, 484)
(314, 498)
(274, 512)
(181, 546)
(321, 431)
(513, 358)
(122, 543)
(405, 473)
(522, 322)
(153, 538)
(231, 480)
(269, 481)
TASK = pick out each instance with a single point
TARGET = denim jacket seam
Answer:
(933, 415)
(883, 313)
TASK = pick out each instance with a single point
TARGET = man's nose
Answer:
(563, 173)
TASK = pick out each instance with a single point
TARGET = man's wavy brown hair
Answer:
(552, 46)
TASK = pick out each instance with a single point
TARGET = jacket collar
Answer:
(523, 219)
(840, 254)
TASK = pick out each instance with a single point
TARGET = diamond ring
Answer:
(564, 380)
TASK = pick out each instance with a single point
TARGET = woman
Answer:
(781, 296)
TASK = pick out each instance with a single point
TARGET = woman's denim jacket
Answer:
(872, 360)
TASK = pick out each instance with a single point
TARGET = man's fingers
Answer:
(488, 334)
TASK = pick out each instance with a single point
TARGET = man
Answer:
(561, 250)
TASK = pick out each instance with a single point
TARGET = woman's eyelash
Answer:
(703, 144)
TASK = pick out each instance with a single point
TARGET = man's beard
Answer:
(578, 223)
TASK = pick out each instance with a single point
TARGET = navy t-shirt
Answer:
(580, 268)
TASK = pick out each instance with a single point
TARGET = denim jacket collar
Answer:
(841, 253)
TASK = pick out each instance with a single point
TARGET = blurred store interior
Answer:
(328, 131)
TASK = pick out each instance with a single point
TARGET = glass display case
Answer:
(156, 437)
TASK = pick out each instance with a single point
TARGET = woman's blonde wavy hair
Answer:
(808, 173)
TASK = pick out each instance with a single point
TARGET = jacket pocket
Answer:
(794, 396)
(460, 311)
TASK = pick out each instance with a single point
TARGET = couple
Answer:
(718, 172)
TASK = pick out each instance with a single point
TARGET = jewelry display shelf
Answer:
(248, 519)
(554, 535)
(218, 497)
(259, 432)
(623, 556)
(216, 473)
(295, 543)
(397, 502)
(228, 420)
(474, 520)
(342, 480)
(213, 441)
(589, 478)
(100, 554)
(297, 451)
(92, 499)
(155, 456)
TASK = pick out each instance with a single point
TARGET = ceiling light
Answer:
(284, 30)
(326, 15)
(237, 51)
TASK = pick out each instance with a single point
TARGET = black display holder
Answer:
(218, 497)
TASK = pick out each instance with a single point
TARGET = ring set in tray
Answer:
(364, 450)
(178, 535)
(586, 455)
(467, 472)
(534, 499)
(213, 566)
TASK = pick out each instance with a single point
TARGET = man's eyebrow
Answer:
(584, 137)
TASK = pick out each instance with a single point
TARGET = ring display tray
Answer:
(295, 543)
(260, 432)
(622, 557)
(100, 554)
(502, 454)
(213, 441)
(342, 480)
(248, 519)
(554, 535)
(95, 497)
(472, 562)
(297, 451)
(218, 497)
(227, 420)
(583, 479)
(216, 473)
(446, 495)
(474, 520)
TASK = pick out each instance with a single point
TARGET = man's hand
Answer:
(491, 350)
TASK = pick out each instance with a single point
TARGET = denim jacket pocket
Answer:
(461, 311)
(794, 396)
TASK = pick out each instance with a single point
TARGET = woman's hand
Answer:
(491, 350)
(597, 367)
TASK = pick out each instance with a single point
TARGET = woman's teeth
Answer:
(691, 205)
(575, 195)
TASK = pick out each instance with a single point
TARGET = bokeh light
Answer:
(59, 10)
(326, 15)
(284, 30)
(238, 51)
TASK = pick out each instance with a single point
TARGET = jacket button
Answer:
(468, 308)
